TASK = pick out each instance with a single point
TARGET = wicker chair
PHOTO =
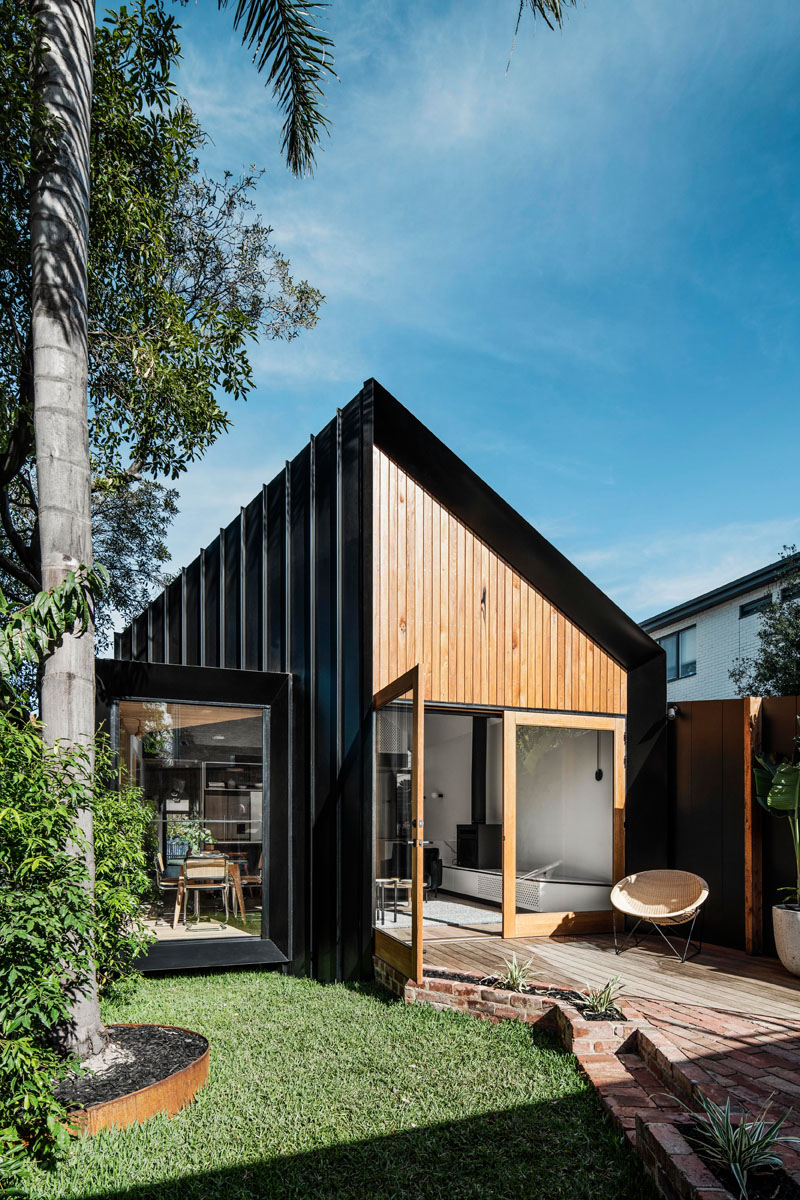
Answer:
(662, 899)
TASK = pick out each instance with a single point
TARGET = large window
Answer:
(681, 648)
(200, 770)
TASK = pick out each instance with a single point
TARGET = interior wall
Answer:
(448, 770)
(564, 814)
(494, 771)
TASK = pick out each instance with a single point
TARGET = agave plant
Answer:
(517, 975)
(740, 1147)
(603, 1000)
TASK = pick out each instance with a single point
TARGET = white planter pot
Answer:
(786, 926)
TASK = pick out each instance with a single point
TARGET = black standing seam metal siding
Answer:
(287, 587)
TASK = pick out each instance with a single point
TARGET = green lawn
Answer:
(339, 1092)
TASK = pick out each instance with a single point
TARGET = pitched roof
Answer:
(441, 472)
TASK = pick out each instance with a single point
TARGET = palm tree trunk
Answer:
(59, 247)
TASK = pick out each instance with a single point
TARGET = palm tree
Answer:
(293, 50)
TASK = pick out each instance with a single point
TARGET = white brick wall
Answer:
(722, 637)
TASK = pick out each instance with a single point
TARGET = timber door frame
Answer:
(407, 957)
(543, 924)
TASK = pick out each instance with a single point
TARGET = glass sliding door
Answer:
(199, 769)
(563, 819)
(399, 825)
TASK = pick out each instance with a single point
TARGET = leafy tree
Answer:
(129, 526)
(774, 670)
(182, 273)
(148, 328)
(53, 360)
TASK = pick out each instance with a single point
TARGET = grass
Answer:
(340, 1092)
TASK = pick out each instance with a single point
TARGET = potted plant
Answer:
(778, 790)
(186, 835)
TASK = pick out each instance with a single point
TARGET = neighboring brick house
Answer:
(703, 637)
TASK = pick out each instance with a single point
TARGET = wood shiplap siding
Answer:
(483, 634)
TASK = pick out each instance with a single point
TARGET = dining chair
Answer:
(202, 874)
(167, 879)
(254, 879)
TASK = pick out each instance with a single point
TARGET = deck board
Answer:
(718, 978)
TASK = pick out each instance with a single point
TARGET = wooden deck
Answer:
(717, 978)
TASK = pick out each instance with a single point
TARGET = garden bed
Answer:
(151, 1068)
(567, 995)
(761, 1185)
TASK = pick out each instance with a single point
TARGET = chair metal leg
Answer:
(684, 954)
(619, 947)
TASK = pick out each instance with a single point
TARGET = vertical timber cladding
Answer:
(484, 635)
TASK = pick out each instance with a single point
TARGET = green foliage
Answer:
(774, 670)
(604, 999)
(29, 634)
(14, 1165)
(50, 932)
(182, 276)
(123, 844)
(516, 976)
(189, 830)
(284, 36)
(778, 791)
(46, 922)
(742, 1147)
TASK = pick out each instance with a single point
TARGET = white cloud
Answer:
(649, 573)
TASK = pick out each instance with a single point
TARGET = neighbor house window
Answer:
(681, 648)
(755, 606)
(791, 593)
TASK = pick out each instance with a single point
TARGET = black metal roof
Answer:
(729, 591)
(441, 472)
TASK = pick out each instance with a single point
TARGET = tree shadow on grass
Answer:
(553, 1150)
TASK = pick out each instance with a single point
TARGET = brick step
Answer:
(628, 1088)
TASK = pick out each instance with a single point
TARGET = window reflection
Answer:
(200, 770)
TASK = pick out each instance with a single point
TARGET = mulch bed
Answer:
(568, 996)
(158, 1053)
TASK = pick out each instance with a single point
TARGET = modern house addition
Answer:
(703, 637)
(380, 709)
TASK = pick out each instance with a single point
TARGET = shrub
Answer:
(123, 842)
(50, 934)
(739, 1148)
(45, 922)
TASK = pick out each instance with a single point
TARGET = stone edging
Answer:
(650, 1120)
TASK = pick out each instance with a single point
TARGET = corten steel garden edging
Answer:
(168, 1095)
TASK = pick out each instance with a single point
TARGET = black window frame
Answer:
(677, 634)
(751, 607)
(121, 679)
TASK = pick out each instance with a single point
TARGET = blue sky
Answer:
(582, 273)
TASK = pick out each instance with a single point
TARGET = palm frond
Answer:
(287, 40)
(551, 12)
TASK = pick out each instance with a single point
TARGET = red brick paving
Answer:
(664, 1053)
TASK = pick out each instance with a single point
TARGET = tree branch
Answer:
(19, 573)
